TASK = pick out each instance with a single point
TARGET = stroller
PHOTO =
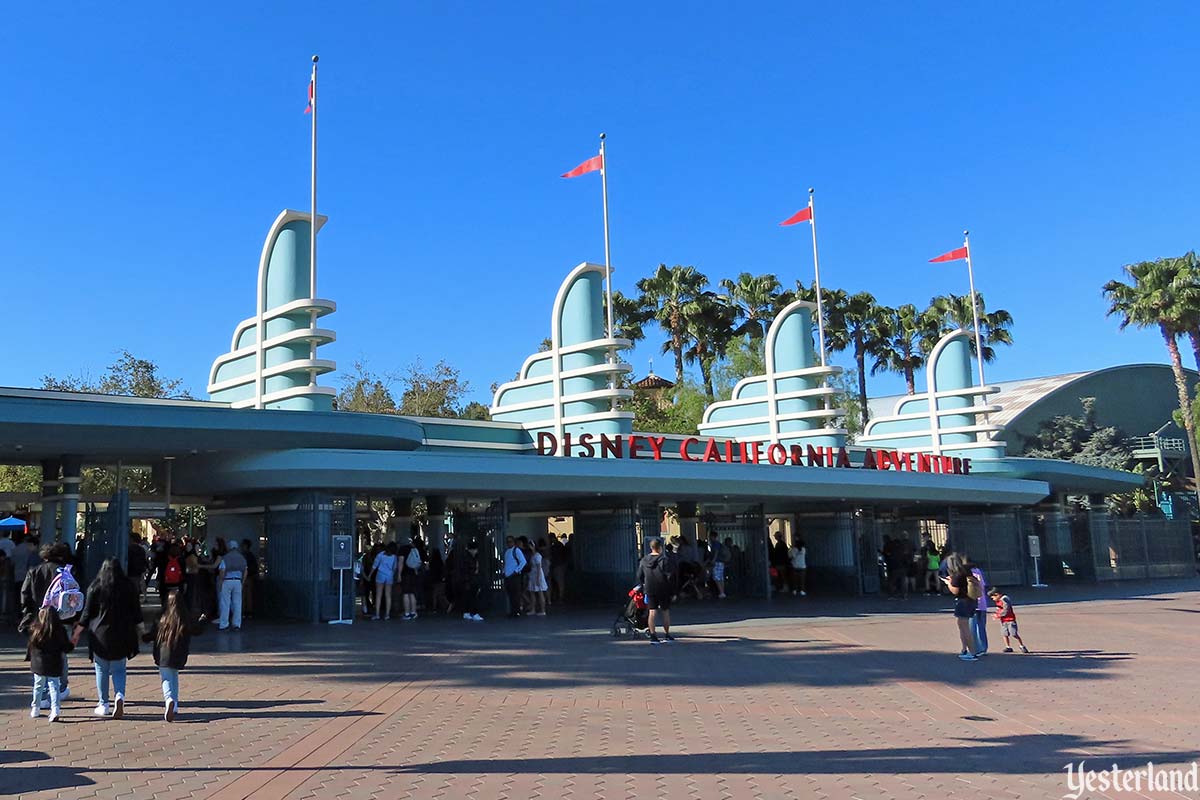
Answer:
(634, 618)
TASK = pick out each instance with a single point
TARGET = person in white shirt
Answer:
(514, 565)
(798, 558)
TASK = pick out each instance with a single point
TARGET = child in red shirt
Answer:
(1008, 619)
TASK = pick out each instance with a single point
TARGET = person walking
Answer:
(559, 556)
(111, 616)
(538, 586)
(231, 572)
(514, 568)
(39, 573)
(779, 563)
(466, 576)
(136, 564)
(1007, 617)
(411, 565)
(48, 647)
(720, 561)
(798, 561)
(656, 576)
(965, 588)
(979, 621)
(249, 580)
(383, 572)
(172, 636)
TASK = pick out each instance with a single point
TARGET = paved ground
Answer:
(799, 699)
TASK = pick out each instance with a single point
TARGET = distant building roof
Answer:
(653, 381)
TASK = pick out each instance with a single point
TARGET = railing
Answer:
(1156, 443)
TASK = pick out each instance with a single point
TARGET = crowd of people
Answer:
(534, 573)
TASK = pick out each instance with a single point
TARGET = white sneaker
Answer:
(169, 711)
(119, 708)
(467, 616)
(101, 710)
(804, 594)
(65, 694)
(54, 716)
(34, 711)
(476, 618)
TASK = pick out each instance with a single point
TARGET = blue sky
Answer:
(147, 147)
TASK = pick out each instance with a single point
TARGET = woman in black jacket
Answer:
(172, 637)
(111, 617)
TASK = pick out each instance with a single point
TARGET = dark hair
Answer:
(246, 543)
(57, 552)
(656, 543)
(995, 590)
(171, 625)
(390, 548)
(44, 625)
(110, 580)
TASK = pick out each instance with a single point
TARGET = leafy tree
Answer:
(743, 359)
(629, 317)
(20, 478)
(709, 325)
(903, 332)
(855, 324)
(476, 410)
(667, 293)
(1154, 299)
(437, 392)
(364, 391)
(128, 376)
(953, 311)
(755, 299)
(845, 386)
(680, 413)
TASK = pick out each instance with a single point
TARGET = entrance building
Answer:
(272, 462)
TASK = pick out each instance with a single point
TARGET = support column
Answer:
(71, 468)
(48, 522)
(437, 522)
(402, 521)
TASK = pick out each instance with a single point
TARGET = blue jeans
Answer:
(109, 668)
(979, 631)
(41, 684)
(170, 684)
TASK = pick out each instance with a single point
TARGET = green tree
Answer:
(20, 478)
(709, 325)
(903, 333)
(128, 376)
(1153, 300)
(845, 386)
(755, 300)
(629, 317)
(681, 412)
(476, 410)
(953, 311)
(855, 324)
(743, 359)
(366, 392)
(667, 294)
(436, 392)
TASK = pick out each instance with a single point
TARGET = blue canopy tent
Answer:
(12, 524)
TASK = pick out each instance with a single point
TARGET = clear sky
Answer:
(146, 147)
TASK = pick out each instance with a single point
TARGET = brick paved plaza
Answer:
(852, 698)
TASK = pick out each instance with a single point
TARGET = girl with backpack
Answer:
(409, 578)
(48, 646)
(172, 636)
(967, 591)
(383, 572)
(111, 617)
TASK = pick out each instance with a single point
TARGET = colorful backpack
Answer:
(172, 572)
(64, 594)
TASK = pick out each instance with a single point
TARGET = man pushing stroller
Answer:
(656, 576)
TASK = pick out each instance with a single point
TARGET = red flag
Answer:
(308, 108)
(953, 255)
(593, 164)
(803, 215)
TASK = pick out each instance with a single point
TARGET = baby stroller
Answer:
(634, 619)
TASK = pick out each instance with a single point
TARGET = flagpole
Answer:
(974, 308)
(312, 238)
(812, 221)
(607, 261)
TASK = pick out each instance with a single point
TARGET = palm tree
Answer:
(1186, 284)
(856, 322)
(666, 294)
(953, 311)
(904, 331)
(629, 317)
(709, 323)
(1154, 300)
(830, 299)
(755, 300)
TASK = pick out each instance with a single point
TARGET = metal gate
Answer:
(106, 535)
(746, 575)
(993, 541)
(605, 552)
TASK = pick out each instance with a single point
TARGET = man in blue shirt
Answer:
(514, 565)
